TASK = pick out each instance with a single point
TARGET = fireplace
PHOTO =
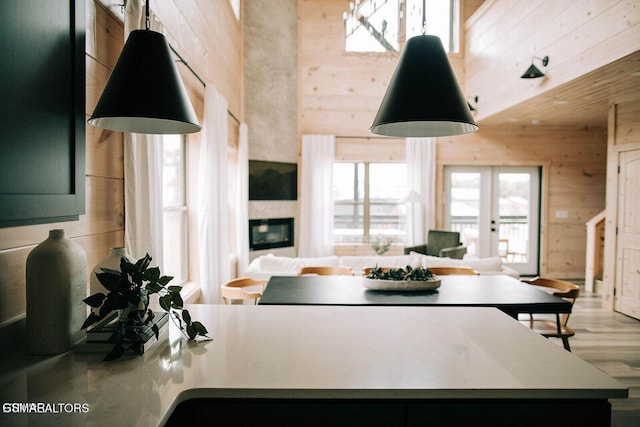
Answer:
(270, 233)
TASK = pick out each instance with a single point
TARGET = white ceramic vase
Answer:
(112, 262)
(56, 279)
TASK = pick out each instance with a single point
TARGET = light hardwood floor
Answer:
(609, 341)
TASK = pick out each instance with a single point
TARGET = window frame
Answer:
(365, 202)
(181, 208)
(455, 28)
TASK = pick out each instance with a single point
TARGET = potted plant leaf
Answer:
(381, 244)
(128, 293)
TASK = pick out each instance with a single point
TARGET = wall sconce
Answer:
(474, 100)
(533, 72)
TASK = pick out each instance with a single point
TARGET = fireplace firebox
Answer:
(270, 233)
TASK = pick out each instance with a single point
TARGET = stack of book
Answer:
(105, 334)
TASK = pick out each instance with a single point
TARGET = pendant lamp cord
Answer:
(424, 17)
(146, 16)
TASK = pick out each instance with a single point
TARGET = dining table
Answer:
(503, 292)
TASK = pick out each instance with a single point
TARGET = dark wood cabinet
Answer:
(393, 412)
(42, 102)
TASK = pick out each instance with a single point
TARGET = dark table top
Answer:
(503, 292)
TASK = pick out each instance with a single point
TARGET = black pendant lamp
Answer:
(145, 93)
(423, 98)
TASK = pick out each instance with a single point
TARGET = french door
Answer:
(627, 282)
(497, 212)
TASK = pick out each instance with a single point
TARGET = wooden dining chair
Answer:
(326, 271)
(443, 271)
(236, 290)
(545, 326)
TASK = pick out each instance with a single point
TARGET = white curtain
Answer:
(242, 200)
(213, 221)
(421, 183)
(316, 196)
(142, 174)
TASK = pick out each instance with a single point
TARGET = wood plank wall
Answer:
(578, 36)
(574, 179)
(209, 37)
(339, 91)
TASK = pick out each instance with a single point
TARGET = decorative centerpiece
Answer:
(401, 279)
(128, 293)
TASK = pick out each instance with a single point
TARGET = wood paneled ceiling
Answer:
(584, 101)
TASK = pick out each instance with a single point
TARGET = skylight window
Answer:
(372, 26)
(380, 25)
(235, 5)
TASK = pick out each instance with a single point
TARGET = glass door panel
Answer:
(513, 208)
(496, 211)
(465, 207)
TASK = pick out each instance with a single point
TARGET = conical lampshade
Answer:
(145, 93)
(532, 73)
(423, 98)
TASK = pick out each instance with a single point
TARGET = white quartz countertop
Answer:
(307, 352)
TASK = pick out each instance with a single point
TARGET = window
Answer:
(442, 21)
(367, 201)
(372, 26)
(174, 202)
(235, 5)
(379, 25)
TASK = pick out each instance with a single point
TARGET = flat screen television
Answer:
(273, 180)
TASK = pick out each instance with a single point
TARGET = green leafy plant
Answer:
(417, 274)
(129, 291)
(381, 244)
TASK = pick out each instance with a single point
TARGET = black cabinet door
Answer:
(42, 117)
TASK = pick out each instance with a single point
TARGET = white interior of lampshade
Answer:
(145, 125)
(424, 128)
